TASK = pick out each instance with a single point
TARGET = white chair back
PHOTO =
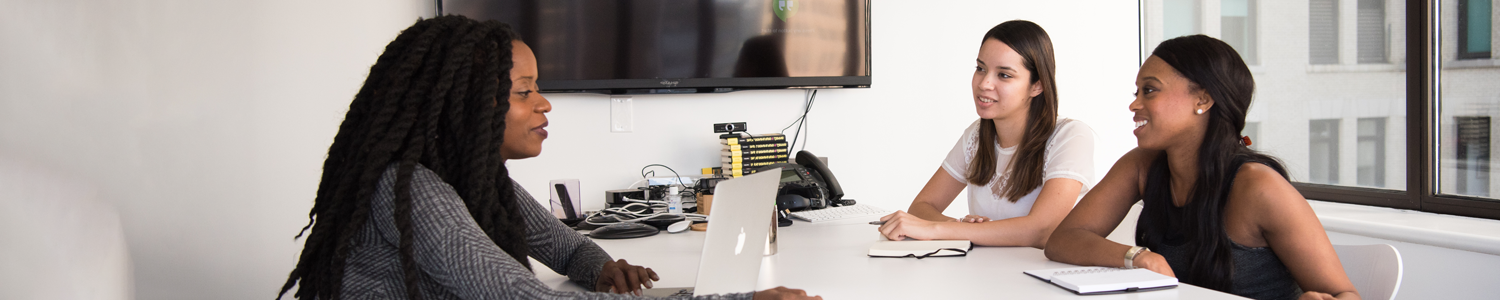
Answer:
(1375, 270)
(58, 239)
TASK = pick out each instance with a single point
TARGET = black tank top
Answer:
(1256, 272)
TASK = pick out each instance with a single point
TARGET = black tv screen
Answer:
(686, 46)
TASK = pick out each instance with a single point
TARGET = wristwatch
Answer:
(1130, 255)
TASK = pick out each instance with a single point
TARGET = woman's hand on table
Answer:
(783, 293)
(623, 278)
(901, 225)
(1154, 262)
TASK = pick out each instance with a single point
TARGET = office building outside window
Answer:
(1378, 102)
(1371, 151)
(1474, 28)
(1468, 101)
(1180, 18)
(1323, 151)
(1472, 156)
(1237, 28)
(1371, 31)
(1323, 32)
(1313, 95)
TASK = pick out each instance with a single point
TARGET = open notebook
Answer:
(1104, 280)
(920, 249)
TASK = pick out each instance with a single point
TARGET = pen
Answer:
(877, 222)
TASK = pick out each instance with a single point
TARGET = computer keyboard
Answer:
(839, 213)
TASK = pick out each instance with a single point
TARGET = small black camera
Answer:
(729, 127)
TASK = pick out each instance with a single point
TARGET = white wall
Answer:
(205, 123)
(883, 142)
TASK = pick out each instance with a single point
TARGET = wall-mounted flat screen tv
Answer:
(687, 46)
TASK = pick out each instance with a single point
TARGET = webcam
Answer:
(729, 127)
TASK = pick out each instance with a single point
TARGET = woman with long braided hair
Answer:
(415, 200)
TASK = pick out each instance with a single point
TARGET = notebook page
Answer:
(1046, 274)
(1085, 282)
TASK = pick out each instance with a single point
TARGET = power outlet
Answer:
(621, 114)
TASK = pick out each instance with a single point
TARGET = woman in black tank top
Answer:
(1254, 272)
(1216, 213)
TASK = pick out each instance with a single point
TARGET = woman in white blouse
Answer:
(1023, 166)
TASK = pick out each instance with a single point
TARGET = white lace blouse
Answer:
(1070, 154)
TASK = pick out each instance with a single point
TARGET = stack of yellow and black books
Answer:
(741, 155)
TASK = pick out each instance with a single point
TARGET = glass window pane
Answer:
(1372, 31)
(1474, 28)
(1180, 17)
(1323, 151)
(1330, 82)
(1252, 131)
(1323, 32)
(1371, 151)
(1237, 28)
(1469, 100)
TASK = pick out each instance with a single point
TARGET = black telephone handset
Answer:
(807, 184)
(820, 171)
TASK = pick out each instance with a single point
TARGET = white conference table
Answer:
(829, 259)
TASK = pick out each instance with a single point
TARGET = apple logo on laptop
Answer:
(740, 245)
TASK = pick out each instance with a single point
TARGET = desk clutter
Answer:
(807, 190)
(741, 154)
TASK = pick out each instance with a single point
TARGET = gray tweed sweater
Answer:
(456, 260)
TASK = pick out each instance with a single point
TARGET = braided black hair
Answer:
(437, 97)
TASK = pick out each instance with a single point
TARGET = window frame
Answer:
(1421, 194)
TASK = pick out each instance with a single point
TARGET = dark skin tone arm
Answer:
(621, 277)
(1079, 239)
(1264, 210)
(1284, 221)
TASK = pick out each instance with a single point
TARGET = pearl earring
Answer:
(1200, 111)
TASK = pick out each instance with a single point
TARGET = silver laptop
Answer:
(736, 239)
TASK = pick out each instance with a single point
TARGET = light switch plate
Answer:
(621, 114)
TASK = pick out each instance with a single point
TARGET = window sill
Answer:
(1447, 231)
(1478, 63)
(1341, 68)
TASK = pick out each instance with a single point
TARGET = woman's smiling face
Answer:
(1166, 106)
(1002, 85)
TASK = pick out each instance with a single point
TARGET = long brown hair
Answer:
(1035, 48)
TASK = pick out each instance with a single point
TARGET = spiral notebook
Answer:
(1104, 280)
